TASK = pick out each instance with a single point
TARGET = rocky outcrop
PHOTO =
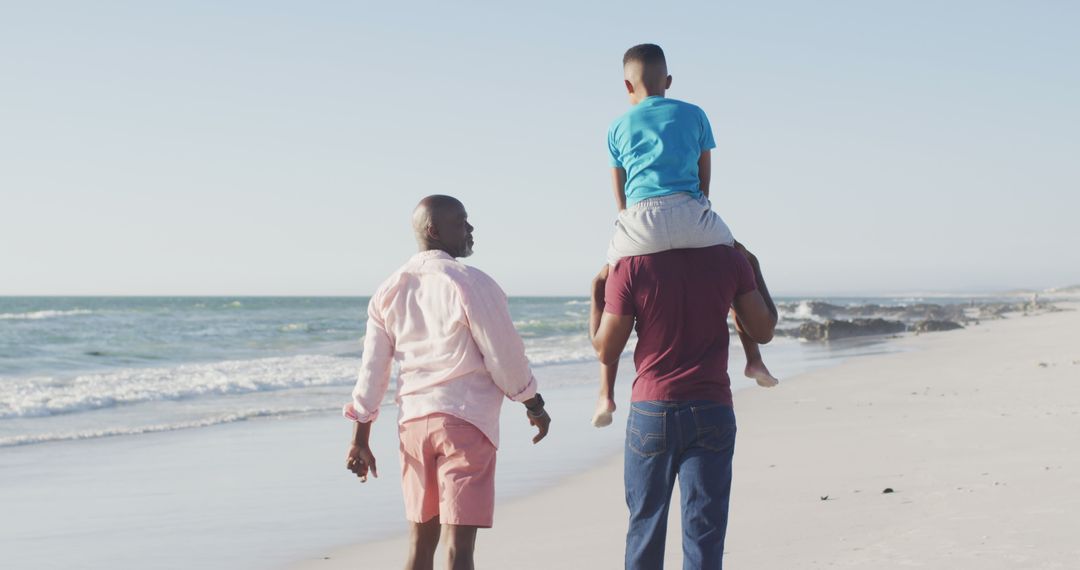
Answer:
(935, 326)
(838, 329)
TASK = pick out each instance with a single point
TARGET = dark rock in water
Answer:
(930, 325)
(792, 332)
(835, 329)
(824, 310)
(999, 310)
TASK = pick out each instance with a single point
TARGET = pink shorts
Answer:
(447, 470)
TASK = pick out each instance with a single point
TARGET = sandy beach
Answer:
(974, 431)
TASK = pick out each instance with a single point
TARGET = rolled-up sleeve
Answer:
(374, 377)
(493, 330)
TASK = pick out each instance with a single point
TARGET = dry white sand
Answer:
(977, 431)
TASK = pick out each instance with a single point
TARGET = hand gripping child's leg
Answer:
(755, 366)
(606, 404)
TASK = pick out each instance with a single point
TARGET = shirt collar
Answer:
(430, 254)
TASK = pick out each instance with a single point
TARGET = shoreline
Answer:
(793, 444)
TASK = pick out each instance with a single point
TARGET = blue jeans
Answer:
(694, 441)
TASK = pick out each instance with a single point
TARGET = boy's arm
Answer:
(704, 171)
(618, 179)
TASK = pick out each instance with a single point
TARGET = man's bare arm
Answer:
(609, 332)
(611, 338)
(755, 310)
(618, 181)
(704, 171)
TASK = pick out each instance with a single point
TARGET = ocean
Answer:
(75, 368)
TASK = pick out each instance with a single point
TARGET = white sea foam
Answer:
(34, 397)
(802, 312)
(154, 428)
(36, 315)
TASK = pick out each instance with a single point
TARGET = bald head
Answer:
(440, 222)
(645, 70)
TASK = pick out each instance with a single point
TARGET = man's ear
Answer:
(629, 86)
(432, 232)
(668, 84)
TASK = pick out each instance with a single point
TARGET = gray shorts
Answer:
(678, 221)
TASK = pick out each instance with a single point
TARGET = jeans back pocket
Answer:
(715, 425)
(646, 432)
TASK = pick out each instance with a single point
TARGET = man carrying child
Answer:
(674, 273)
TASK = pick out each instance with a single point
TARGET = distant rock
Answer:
(824, 310)
(930, 325)
(1071, 289)
(837, 329)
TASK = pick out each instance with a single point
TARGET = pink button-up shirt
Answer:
(449, 327)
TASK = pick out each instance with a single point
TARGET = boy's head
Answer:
(645, 72)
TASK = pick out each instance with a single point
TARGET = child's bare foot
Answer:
(604, 409)
(759, 372)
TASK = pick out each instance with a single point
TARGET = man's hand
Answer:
(542, 422)
(361, 459)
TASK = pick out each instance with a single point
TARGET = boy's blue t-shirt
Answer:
(658, 142)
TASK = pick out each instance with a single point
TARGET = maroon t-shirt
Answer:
(679, 300)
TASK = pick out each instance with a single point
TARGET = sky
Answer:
(277, 148)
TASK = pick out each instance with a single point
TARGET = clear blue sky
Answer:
(197, 147)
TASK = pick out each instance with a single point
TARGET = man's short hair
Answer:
(647, 54)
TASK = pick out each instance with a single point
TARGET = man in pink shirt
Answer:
(448, 325)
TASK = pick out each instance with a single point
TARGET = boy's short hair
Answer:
(647, 54)
(653, 65)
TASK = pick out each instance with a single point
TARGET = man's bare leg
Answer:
(460, 545)
(423, 540)
(606, 406)
(755, 366)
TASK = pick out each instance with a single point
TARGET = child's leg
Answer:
(606, 406)
(755, 366)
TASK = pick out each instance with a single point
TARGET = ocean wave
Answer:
(534, 328)
(564, 350)
(155, 428)
(36, 315)
(799, 311)
(35, 397)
